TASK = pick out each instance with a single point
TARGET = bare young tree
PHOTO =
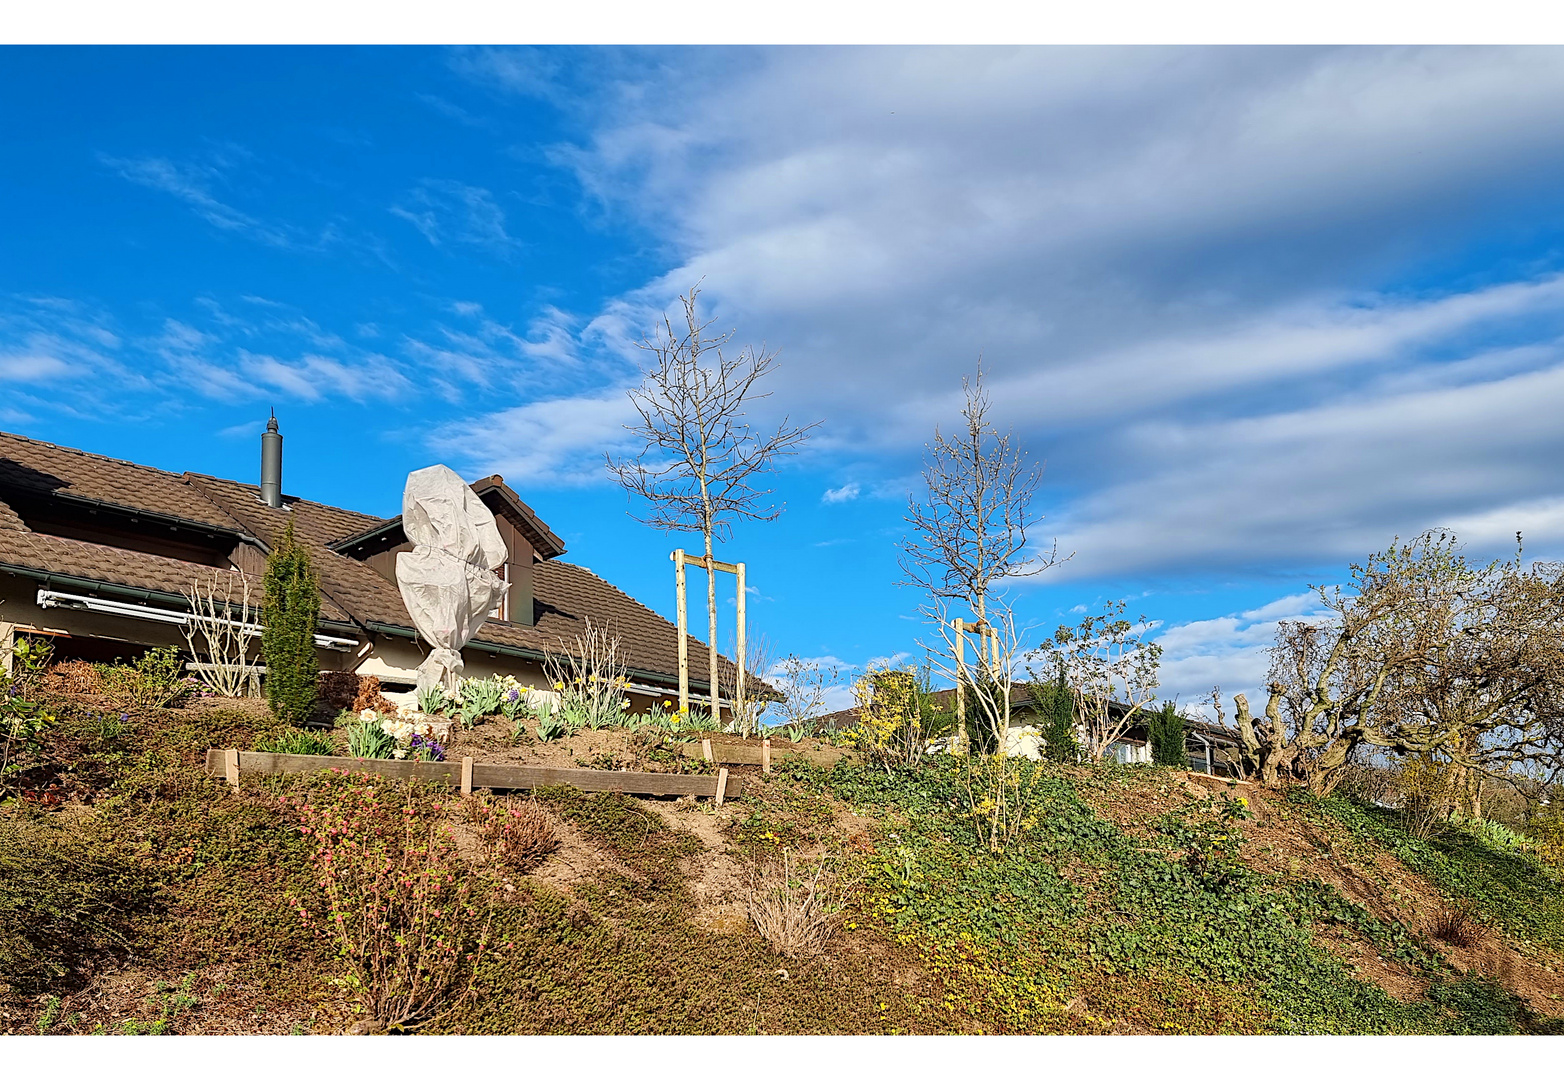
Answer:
(1111, 670)
(804, 685)
(749, 708)
(983, 659)
(699, 458)
(969, 534)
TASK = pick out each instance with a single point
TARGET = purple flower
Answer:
(425, 747)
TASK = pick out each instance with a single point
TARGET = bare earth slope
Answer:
(1130, 900)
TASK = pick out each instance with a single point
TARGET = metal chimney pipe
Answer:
(271, 464)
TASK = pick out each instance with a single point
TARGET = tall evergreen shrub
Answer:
(1166, 729)
(1056, 719)
(292, 608)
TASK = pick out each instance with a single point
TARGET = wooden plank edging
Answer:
(757, 754)
(496, 777)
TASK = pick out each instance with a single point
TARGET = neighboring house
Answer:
(95, 555)
(1211, 747)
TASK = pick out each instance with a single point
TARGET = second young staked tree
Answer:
(700, 459)
(968, 536)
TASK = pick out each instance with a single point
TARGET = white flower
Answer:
(369, 714)
(399, 753)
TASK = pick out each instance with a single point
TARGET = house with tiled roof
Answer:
(1211, 748)
(96, 554)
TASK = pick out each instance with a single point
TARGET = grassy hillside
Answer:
(138, 896)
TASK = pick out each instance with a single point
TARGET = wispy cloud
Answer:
(192, 184)
(446, 211)
(846, 493)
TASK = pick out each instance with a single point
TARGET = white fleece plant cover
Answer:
(448, 581)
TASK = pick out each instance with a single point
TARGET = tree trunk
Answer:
(711, 613)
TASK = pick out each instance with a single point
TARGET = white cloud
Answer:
(450, 211)
(1230, 651)
(1182, 267)
(32, 367)
(559, 441)
(846, 493)
(192, 185)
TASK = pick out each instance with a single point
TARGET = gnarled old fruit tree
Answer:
(1423, 655)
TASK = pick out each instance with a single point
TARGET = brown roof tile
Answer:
(8, 518)
(47, 469)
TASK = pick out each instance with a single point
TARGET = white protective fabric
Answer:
(448, 581)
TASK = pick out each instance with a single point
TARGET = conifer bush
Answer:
(1166, 729)
(292, 608)
(1056, 720)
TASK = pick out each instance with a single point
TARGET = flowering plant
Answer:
(423, 748)
(395, 897)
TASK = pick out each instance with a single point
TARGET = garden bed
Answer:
(470, 775)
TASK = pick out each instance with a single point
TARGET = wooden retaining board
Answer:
(497, 777)
(749, 753)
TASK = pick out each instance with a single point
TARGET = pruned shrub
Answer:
(1428, 794)
(369, 696)
(73, 677)
(794, 910)
(337, 690)
(406, 915)
(516, 835)
(154, 681)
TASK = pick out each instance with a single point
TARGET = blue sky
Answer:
(1260, 309)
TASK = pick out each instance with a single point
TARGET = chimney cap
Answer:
(271, 425)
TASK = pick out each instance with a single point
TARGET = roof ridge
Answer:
(288, 498)
(243, 518)
(90, 454)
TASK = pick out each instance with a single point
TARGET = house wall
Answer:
(518, 573)
(396, 660)
(98, 635)
(384, 563)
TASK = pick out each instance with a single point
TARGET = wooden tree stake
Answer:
(738, 692)
(231, 768)
(706, 749)
(765, 754)
(722, 784)
(466, 776)
(684, 632)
